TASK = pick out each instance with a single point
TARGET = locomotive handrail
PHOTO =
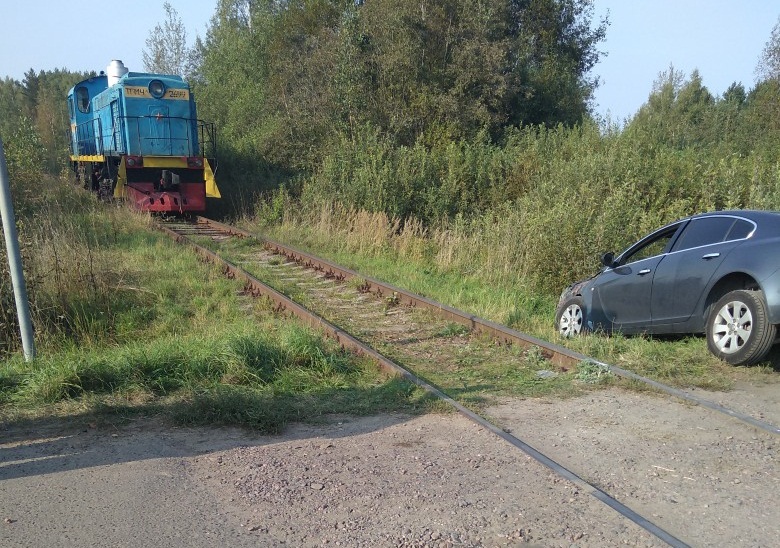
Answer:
(89, 138)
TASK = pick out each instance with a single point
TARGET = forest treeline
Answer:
(464, 115)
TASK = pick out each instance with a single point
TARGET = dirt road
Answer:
(436, 480)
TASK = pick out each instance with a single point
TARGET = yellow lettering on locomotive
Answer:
(181, 94)
(140, 92)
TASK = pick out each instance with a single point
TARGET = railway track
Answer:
(420, 327)
(556, 355)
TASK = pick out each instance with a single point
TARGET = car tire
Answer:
(570, 319)
(738, 328)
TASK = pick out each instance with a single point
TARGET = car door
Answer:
(681, 279)
(624, 290)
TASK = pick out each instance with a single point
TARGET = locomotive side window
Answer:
(82, 99)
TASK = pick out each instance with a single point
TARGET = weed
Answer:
(474, 267)
(534, 356)
(452, 330)
(126, 320)
(593, 373)
(392, 300)
(361, 285)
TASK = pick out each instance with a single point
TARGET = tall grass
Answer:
(261, 375)
(542, 206)
(458, 268)
(501, 230)
(126, 321)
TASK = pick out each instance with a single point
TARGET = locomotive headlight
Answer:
(156, 88)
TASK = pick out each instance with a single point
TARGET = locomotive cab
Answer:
(82, 122)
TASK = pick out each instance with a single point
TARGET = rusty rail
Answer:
(284, 303)
(556, 354)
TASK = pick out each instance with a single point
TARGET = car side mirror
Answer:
(608, 259)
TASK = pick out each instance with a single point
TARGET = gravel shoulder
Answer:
(435, 480)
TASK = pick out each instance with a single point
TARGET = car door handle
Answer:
(709, 256)
(644, 271)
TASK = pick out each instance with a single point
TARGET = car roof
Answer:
(768, 222)
(751, 214)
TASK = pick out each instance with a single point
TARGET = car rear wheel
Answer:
(570, 319)
(738, 328)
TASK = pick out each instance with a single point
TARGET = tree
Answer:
(166, 48)
(13, 105)
(194, 69)
(735, 94)
(769, 63)
(679, 113)
(553, 48)
(31, 85)
(465, 65)
(302, 74)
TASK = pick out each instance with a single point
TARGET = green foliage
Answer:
(769, 63)
(593, 373)
(544, 194)
(369, 172)
(472, 270)
(166, 49)
(290, 81)
(121, 322)
(264, 378)
(34, 119)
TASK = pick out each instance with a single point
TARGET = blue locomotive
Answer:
(137, 136)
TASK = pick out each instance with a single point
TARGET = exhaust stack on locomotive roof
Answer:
(115, 70)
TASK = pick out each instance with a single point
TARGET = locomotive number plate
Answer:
(140, 92)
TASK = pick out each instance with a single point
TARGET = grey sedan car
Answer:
(716, 273)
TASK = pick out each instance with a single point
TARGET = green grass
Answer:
(260, 375)
(500, 297)
(129, 322)
(471, 368)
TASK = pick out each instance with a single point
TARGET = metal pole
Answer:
(15, 259)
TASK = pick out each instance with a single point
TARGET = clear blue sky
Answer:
(723, 39)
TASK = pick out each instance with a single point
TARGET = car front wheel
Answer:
(738, 328)
(570, 319)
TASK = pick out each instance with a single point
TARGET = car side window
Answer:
(704, 231)
(741, 230)
(654, 246)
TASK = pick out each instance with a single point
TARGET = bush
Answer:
(543, 205)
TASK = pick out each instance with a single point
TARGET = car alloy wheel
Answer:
(738, 330)
(732, 327)
(570, 319)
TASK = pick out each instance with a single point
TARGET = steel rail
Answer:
(556, 354)
(284, 303)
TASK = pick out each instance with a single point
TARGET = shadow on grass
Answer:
(103, 434)
(773, 358)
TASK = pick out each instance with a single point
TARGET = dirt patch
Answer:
(397, 481)
(428, 481)
(703, 476)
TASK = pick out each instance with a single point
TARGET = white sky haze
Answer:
(723, 39)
